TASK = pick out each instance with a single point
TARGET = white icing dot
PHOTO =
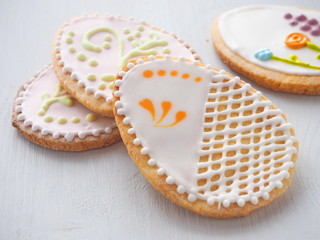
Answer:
(19, 100)
(226, 203)
(120, 111)
(195, 55)
(160, 171)
(181, 189)
(137, 141)
(192, 197)
(44, 131)
(109, 99)
(69, 136)
(80, 84)
(210, 200)
(131, 131)
(21, 117)
(107, 130)
(151, 162)
(74, 76)
(126, 120)
(81, 135)
(27, 122)
(96, 132)
(254, 200)
(170, 180)
(265, 195)
(118, 104)
(35, 127)
(144, 151)
(140, 61)
(167, 56)
(279, 184)
(89, 90)
(118, 83)
(117, 93)
(58, 56)
(18, 109)
(122, 73)
(56, 135)
(130, 65)
(151, 57)
(66, 69)
(241, 202)
(61, 62)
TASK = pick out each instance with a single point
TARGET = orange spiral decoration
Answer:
(296, 40)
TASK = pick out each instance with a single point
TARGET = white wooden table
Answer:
(100, 194)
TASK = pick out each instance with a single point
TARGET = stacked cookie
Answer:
(202, 137)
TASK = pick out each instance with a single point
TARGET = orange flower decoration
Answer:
(296, 40)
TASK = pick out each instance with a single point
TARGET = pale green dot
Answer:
(111, 85)
(41, 112)
(126, 31)
(106, 45)
(137, 34)
(130, 37)
(102, 86)
(81, 57)
(71, 33)
(75, 120)
(134, 44)
(93, 62)
(140, 28)
(166, 50)
(107, 77)
(62, 120)
(69, 40)
(108, 38)
(72, 49)
(91, 77)
(91, 117)
(48, 119)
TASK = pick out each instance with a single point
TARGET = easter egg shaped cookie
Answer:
(203, 138)
(90, 50)
(46, 114)
(276, 46)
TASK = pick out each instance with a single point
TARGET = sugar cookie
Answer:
(90, 50)
(203, 138)
(276, 46)
(46, 114)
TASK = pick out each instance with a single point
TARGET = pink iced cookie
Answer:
(90, 50)
(46, 114)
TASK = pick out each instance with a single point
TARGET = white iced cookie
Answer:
(46, 114)
(203, 138)
(276, 46)
(90, 50)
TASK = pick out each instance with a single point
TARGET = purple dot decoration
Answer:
(288, 16)
(305, 27)
(315, 32)
(293, 23)
(301, 18)
(313, 21)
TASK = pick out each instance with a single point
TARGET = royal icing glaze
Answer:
(47, 107)
(259, 33)
(212, 135)
(101, 44)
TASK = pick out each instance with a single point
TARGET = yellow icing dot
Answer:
(91, 77)
(130, 37)
(93, 63)
(137, 34)
(69, 40)
(126, 31)
(152, 34)
(140, 28)
(166, 50)
(134, 44)
(41, 113)
(108, 38)
(111, 85)
(71, 34)
(48, 119)
(81, 57)
(102, 86)
(91, 117)
(106, 45)
(108, 77)
(72, 49)
(62, 120)
(75, 120)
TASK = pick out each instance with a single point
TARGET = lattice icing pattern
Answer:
(213, 136)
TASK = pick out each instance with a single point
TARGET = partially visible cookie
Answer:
(275, 46)
(90, 50)
(203, 138)
(46, 114)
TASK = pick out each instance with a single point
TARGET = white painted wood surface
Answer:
(100, 194)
